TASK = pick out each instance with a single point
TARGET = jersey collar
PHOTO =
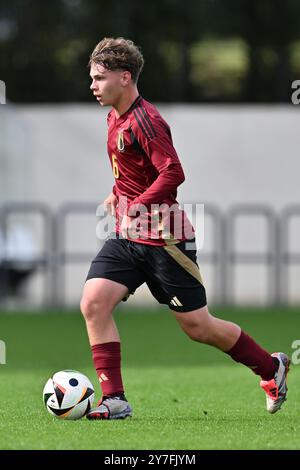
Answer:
(131, 107)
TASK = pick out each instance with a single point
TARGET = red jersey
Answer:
(147, 173)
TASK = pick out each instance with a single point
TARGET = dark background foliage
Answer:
(195, 50)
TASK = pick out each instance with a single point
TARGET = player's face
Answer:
(107, 85)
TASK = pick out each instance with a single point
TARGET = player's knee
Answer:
(86, 307)
(199, 335)
(92, 308)
(198, 330)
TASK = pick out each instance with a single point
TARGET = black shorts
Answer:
(171, 272)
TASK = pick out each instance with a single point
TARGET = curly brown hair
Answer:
(118, 54)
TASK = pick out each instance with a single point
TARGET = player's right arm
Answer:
(155, 139)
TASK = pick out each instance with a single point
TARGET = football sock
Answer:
(107, 362)
(249, 353)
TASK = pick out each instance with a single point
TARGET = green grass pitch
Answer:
(185, 395)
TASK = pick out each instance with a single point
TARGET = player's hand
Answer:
(111, 204)
(126, 227)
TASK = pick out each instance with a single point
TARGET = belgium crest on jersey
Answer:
(120, 141)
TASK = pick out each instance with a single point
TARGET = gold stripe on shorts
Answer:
(184, 261)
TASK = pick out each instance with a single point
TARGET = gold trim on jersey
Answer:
(120, 141)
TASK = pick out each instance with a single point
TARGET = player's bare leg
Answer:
(100, 297)
(201, 326)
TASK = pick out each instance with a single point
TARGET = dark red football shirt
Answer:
(147, 173)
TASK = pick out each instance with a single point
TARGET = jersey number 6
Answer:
(115, 166)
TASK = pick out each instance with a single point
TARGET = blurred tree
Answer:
(195, 50)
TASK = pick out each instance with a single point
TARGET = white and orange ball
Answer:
(69, 394)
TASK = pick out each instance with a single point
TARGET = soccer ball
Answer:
(68, 394)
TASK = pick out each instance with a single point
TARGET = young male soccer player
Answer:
(152, 243)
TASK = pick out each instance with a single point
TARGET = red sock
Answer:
(107, 362)
(249, 353)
